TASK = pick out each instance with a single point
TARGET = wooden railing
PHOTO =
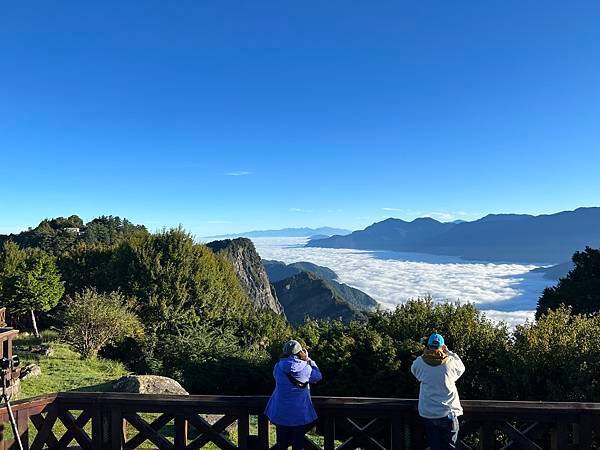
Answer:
(110, 421)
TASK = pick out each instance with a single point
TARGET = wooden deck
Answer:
(111, 421)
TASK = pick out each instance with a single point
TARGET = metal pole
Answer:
(13, 422)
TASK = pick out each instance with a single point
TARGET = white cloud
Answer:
(507, 292)
(300, 210)
(511, 318)
(452, 215)
(392, 209)
(238, 173)
(335, 210)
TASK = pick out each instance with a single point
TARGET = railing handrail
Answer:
(250, 401)
(390, 423)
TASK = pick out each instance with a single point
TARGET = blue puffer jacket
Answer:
(289, 404)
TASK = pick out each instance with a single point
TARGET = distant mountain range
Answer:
(288, 232)
(551, 238)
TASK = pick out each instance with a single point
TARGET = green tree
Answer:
(93, 320)
(555, 358)
(580, 289)
(31, 281)
(12, 262)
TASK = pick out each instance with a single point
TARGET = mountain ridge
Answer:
(524, 238)
(286, 232)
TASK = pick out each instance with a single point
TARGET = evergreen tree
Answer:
(580, 289)
(30, 281)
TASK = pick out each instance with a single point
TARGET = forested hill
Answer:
(61, 234)
(549, 238)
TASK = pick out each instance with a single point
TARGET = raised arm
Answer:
(315, 374)
(457, 365)
(417, 370)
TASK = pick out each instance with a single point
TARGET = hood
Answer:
(292, 364)
(435, 357)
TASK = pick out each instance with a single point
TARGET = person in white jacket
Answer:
(437, 370)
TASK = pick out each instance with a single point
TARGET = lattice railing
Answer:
(110, 421)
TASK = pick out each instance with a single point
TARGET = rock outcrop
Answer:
(250, 271)
(148, 384)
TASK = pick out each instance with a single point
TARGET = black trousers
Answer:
(293, 436)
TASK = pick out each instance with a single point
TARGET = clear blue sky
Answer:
(233, 115)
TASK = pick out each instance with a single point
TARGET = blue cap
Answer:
(435, 340)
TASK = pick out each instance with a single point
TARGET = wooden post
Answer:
(263, 432)
(329, 433)
(116, 429)
(22, 418)
(181, 432)
(559, 436)
(398, 437)
(486, 436)
(243, 431)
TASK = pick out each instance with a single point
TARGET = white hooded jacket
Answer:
(438, 396)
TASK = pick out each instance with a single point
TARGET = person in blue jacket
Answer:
(290, 407)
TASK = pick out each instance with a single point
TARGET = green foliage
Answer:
(12, 261)
(60, 235)
(93, 320)
(38, 286)
(480, 342)
(355, 357)
(89, 265)
(580, 289)
(555, 358)
(110, 230)
(29, 280)
(374, 358)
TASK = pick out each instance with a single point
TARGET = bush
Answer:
(555, 358)
(93, 320)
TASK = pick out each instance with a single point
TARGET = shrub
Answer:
(93, 320)
(555, 358)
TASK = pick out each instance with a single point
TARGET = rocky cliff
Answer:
(250, 271)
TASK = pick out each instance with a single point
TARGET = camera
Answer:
(9, 363)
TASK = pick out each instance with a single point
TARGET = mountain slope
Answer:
(305, 295)
(277, 270)
(357, 299)
(250, 271)
(496, 237)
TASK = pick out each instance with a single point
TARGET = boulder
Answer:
(149, 384)
(29, 371)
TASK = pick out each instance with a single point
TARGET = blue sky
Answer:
(226, 116)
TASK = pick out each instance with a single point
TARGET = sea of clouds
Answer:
(506, 292)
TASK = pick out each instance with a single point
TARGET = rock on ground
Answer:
(30, 370)
(149, 384)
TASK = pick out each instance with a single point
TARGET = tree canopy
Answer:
(580, 289)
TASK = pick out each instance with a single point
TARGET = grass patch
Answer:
(65, 370)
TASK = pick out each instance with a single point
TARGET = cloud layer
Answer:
(505, 291)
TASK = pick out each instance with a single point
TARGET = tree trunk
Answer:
(35, 328)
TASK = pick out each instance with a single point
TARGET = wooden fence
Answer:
(111, 421)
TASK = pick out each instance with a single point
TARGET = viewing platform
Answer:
(111, 421)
